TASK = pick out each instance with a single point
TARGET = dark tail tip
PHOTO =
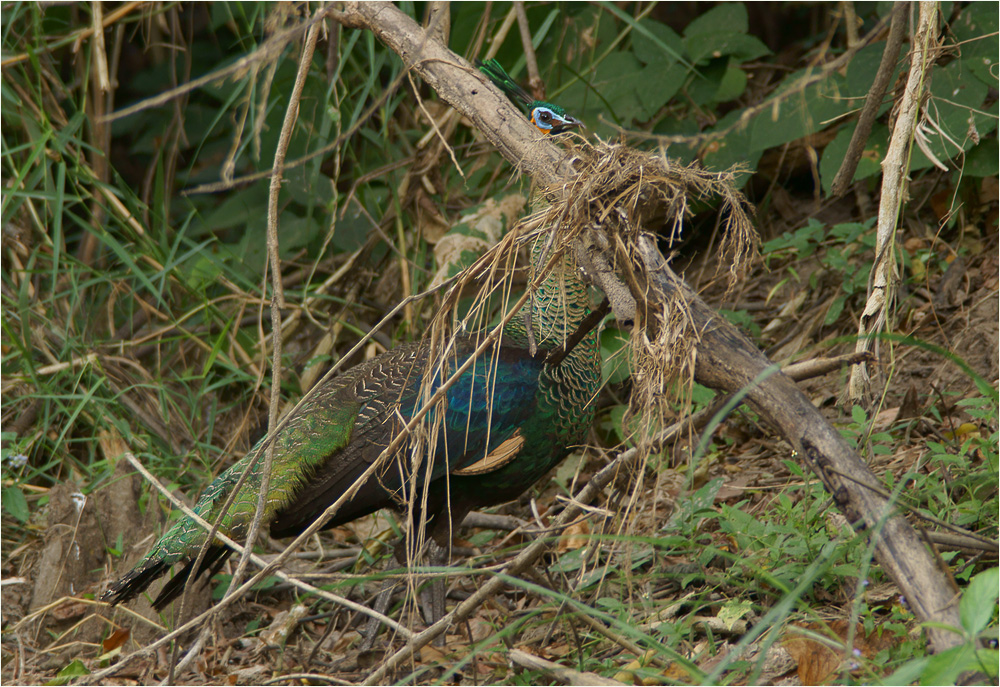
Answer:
(134, 582)
(215, 558)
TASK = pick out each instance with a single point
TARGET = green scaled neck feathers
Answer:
(547, 118)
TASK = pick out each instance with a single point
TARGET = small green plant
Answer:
(843, 250)
(13, 463)
(978, 615)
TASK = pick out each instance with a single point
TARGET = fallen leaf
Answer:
(965, 430)
(574, 537)
(430, 653)
(885, 418)
(817, 661)
(115, 639)
(556, 650)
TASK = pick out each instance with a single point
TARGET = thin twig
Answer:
(271, 567)
(558, 672)
(520, 563)
(528, 49)
(247, 179)
(267, 568)
(277, 300)
(268, 51)
(873, 102)
(100, 52)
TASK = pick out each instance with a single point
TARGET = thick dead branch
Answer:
(558, 672)
(464, 88)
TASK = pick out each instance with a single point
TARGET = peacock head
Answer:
(547, 118)
(551, 119)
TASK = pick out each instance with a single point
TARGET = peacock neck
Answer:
(558, 306)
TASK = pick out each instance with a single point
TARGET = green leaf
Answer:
(945, 667)
(733, 610)
(660, 82)
(836, 308)
(979, 601)
(658, 44)
(953, 107)
(74, 669)
(240, 209)
(732, 85)
(861, 73)
(616, 80)
(617, 420)
(205, 269)
(743, 320)
(220, 342)
(870, 163)
(976, 29)
(569, 561)
(721, 154)
(614, 356)
(800, 113)
(705, 86)
(728, 17)
(15, 503)
(908, 673)
(701, 396)
(982, 161)
(706, 46)
(567, 470)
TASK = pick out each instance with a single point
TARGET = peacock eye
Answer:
(544, 116)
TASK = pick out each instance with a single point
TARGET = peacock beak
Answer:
(565, 123)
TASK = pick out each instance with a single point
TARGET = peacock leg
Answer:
(432, 597)
(374, 625)
(446, 523)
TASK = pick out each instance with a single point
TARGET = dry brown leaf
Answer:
(885, 418)
(115, 639)
(628, 673)
(817, 662)
(574, 537)
(556, 651)
(432, 654)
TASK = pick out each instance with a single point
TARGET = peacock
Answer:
(508, 419)
(547, 118)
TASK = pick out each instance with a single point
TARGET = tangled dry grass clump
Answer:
(619, 194)
(622, 191)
